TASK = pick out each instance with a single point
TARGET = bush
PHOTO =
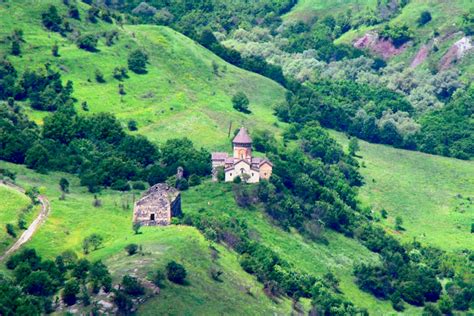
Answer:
(120, 185)
(11, 230)
(137, 61)
(87, 42)
(131, 249)
(132, 286)
(175, 272)
(138, 185)
(194, 180)
(132, 125)
(399, 34)
(70, 291)
(424, 18)
(240, 102)
(158, 278)
(51, 19)
(99, 76)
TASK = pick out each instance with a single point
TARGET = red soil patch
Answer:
(455, 53)
(420, 56)
(379, 46)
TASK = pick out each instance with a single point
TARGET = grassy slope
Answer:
(445, 16)
(179, 96)
(429, 192)
(307, 9)
(75, 218)
(12, 203)
(338, 257)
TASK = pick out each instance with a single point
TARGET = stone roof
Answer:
(242, 137)
(229, 160)
(219, 156)
(159, 190)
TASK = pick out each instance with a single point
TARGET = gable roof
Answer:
(219, 156)
(242, 137)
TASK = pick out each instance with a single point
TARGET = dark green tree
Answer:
(137, 61)
(240, 102)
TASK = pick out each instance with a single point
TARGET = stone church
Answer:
(242, 164)
(158, 205)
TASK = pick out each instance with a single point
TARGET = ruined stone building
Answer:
(157, 206)
(242, 164)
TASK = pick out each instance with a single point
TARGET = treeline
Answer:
(358, 109)
(35, 281)
(95, 147)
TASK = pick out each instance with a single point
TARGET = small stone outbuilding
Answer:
(158, 205)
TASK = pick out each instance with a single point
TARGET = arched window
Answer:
(242, 170)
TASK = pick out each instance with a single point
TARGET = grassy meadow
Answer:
(11, 206)
(181, 95)
(75, 217)
(434, 195)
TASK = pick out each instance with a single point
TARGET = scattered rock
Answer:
(105, 304)
(380, 46)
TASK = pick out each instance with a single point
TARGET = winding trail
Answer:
(39, 220)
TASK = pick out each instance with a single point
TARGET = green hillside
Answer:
(432, 194)
(13, 203)
(181, 95)
(75, 218)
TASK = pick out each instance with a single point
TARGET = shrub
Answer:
(87, 42)
(131, 249)
(399, 34)
(51, 19)
(70, 291)
(158, 278)
(240, 102)
(182, 184)
(194, 180)
(120, 185)
(99, 76)
(15, 49)
(132, 286)
(175, 272)
(132, 125)
(138, 185)
(64, 185)
(424, 18)
(137, 61)
(11, 230)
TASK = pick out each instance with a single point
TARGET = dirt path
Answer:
(26, 235)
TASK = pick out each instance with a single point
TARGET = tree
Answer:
(131, 249)
(99, 76)
(132, 125)
(194, 180)
(445, 304)
(37, 157)
(136, 228)
(16, 49)
(424, 18)
(88, 42)
(398, 223)
(353, 146)
(240, 102)
(132, 286)
(55, 50)
(175, 272)
(10, 230)
(64, 185)
(70, 291)
(137, 61)
(74, 12)
(51, 19)
(38, 283)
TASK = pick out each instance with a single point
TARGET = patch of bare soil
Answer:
(380, 46)
(455, 53)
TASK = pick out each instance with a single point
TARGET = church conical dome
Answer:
(242, 137)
